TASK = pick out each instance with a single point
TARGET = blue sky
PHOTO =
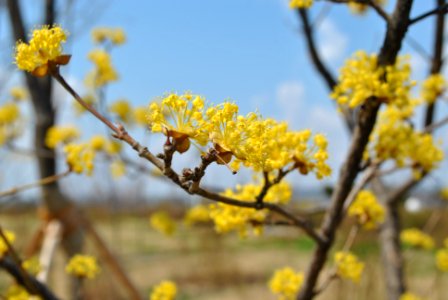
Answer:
(249, 51)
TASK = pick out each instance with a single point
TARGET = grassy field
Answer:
(209, 266)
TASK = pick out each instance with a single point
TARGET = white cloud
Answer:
(332, 42)
(289, 96)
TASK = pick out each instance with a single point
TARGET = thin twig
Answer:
(440, 9)
(40, 182)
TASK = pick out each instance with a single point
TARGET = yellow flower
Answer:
(179, 118)
(83, 266)
(80, 157)
(293, 4)
(433, 86)
(113, 147)
(163, 223)
(9, 113)
(197, 214)
(32, 265)
(104, 71)
(115, 35)
(360, 79)
(18, 93)
(98, 142)
(409, 296)
(57, 135)
(348, 266)
(444, 193)
(416, 238)
(166, 290)
(44, 48)
(232, 218)
(359, 8)
(117, 168)
(368, 211)
(286, 283)
(122, 109)
(442, 259)
(11, 237)
(140, 115)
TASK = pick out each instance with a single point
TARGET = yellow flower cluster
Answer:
(163, 223)
(115, 35)
(293, 4)
(359, 8)
(197, 214)
(409, 296)
(442, 259)
(11, 237)
(9, 115)
(367, 210)
(395, 138)
(140, 115)
(348, 266)
(32, 265)
(57, 135)
(444, 193)
(261, 144)
(104, 72)
(80, 157)
(360, 78)
(83, 266)
(45, 46)
(166, 290)
(117, 168)
(17, 292)
(123, 110)
(286, 283)
(233, 218)
(433, 86)
(18, 93)
(416, 238)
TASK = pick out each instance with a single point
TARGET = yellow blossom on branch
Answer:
(32, 265)
(83, 266)
(286, 283)
(367, 210)
(360, 79)
(416, 238)
(348, 266)
(163, 223)
(166, 290)
(114, 35)
(80, 157)
(43, 51)
(233, 218)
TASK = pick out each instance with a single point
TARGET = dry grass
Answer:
(208, 266)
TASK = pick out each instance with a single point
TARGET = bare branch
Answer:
(438, 10)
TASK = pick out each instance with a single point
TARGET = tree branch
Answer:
(438, 10)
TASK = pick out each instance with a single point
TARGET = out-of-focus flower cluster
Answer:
(197, 214)
(17, 292)
(286, 283)
(367, 210)
(163, 223)
(361, 79)
(414, 237)
(410, 296)
(83, 266)
(103, 72)
(261, 144)
(115, 36)
(233, 218)
(359, 8)
(433, 87)
(442, 257)
(9, 122)
(348, 266)
(166, 290)
(395, 138)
